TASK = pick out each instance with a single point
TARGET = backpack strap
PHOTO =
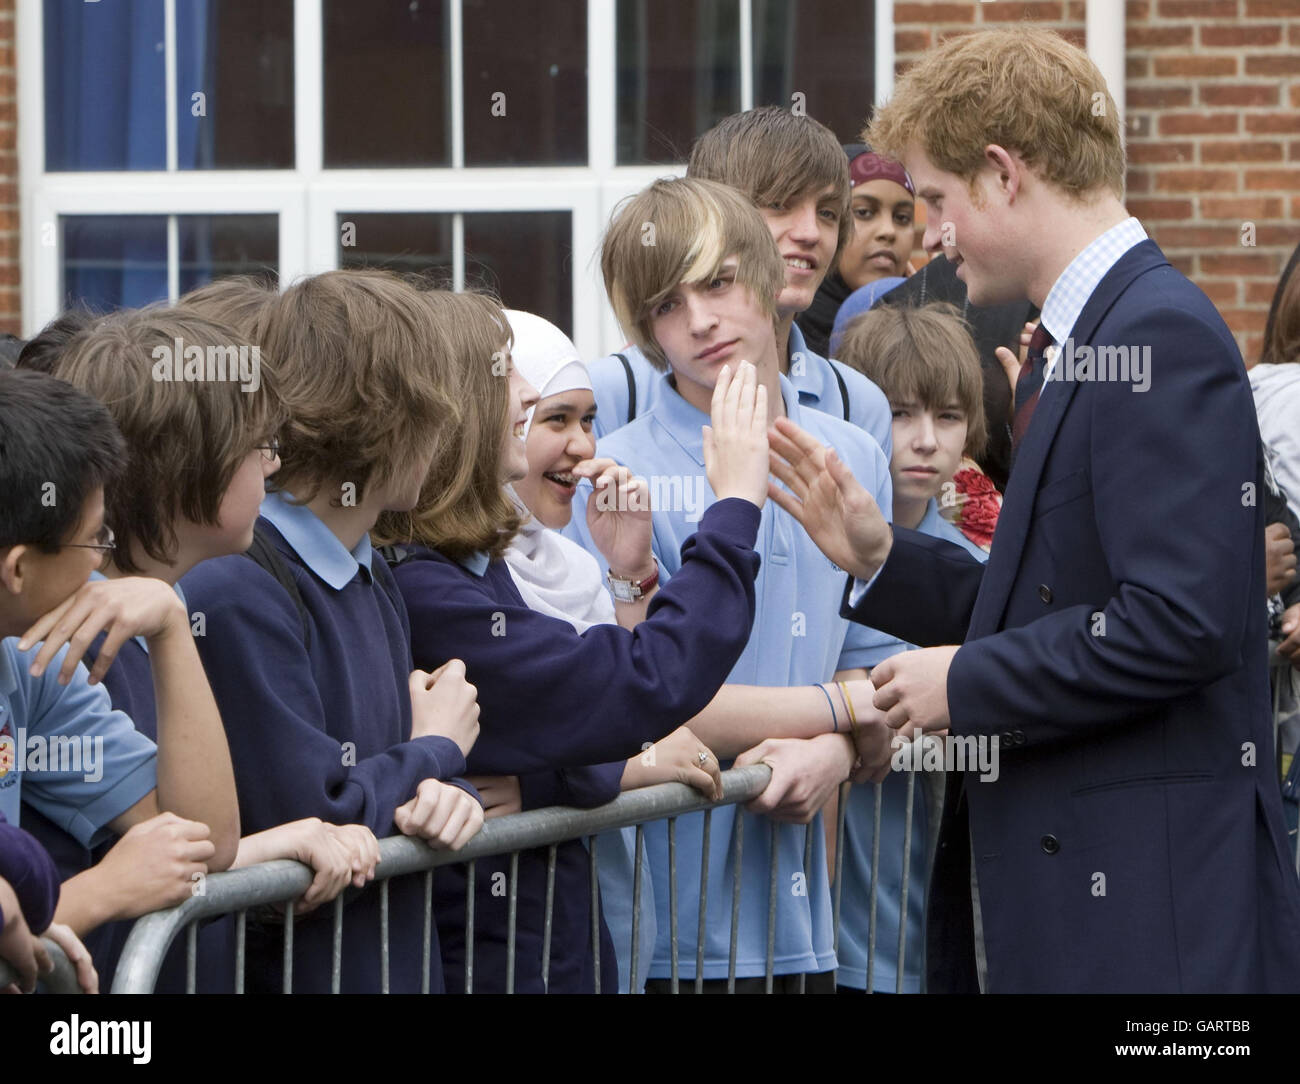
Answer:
(844, 390)
(631, 386)
(264, 554)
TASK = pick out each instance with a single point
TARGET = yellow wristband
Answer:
(848, 704)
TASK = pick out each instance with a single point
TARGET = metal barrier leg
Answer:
(336, 948)
(807, 865)
(550, 914)
(241, 924)
(770, 964)
(383, 936)
(673, 947)
(739, 836)
(512, 912)
(469, 927)
(907, 865)
(595, 912)
(875, 883)
(191, 954)
(636, 910)
(704, 902)
(288, 947)
(427, 953)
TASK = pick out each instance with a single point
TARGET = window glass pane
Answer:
(240, 58)
(386, 75)
(677, 77)
(525, 82)
(822, 49)
(104, 86)
(216, 246)
(525, 257)
(114, 261)
(417, 243)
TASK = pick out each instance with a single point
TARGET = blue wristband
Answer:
(835, 722)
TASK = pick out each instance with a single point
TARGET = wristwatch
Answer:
(632, 590)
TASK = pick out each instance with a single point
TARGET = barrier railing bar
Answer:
(383, 936)
(469, 928)
(426, 955)
(284, 880)
(336, 947)
(770, 963)
(595, 913)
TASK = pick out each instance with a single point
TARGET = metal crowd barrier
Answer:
(281, 882)
(62, 980)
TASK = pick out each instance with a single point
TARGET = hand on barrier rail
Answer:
(805, 774)
(78, 955)
(154, 865)
(19, 947)
(339, 855)
(681, 757)
(441, 814)
(444, 704)
(1290, 647)
(500, 793)
(124, 608)
(1279, 557)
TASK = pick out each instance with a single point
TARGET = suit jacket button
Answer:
(1018, 737)
(1044, 592)
(1050, 844)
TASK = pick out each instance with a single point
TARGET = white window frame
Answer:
(309, 198)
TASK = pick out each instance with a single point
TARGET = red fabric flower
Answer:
(972, 504)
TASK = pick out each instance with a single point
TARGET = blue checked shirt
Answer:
(1071, 291)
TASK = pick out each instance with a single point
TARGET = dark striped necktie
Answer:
(1029, 384)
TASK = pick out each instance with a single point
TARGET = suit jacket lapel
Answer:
(1022, 487)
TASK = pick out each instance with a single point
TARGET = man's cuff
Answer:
(861, 587)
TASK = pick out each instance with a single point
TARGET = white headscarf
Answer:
(555, 576)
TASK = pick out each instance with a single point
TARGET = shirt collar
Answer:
(686, 424)
(8, 679)
(808, 378)
(476, 562)
(316, 544)
(1070, 292)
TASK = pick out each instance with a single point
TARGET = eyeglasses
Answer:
(107, 542)
(270, 450)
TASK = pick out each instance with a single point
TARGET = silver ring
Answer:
(704, 757)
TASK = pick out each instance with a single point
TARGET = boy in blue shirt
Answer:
(63, 750)
(325, 713)
(926, 362)
(794, 171)
(703, 296)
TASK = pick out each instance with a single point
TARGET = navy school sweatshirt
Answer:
(326, 734)
(551, 698)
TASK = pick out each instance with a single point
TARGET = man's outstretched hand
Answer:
(838, 514)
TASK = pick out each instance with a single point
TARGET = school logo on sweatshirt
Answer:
(8, 751)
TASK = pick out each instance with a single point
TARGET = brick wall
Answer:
(1213, 89)
(10, 272)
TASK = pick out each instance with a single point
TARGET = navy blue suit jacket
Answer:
(1115, 643)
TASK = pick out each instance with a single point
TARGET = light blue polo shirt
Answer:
(858, 835)
(318, 546)
(64, 750)
(811, 375)
(798, 638)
